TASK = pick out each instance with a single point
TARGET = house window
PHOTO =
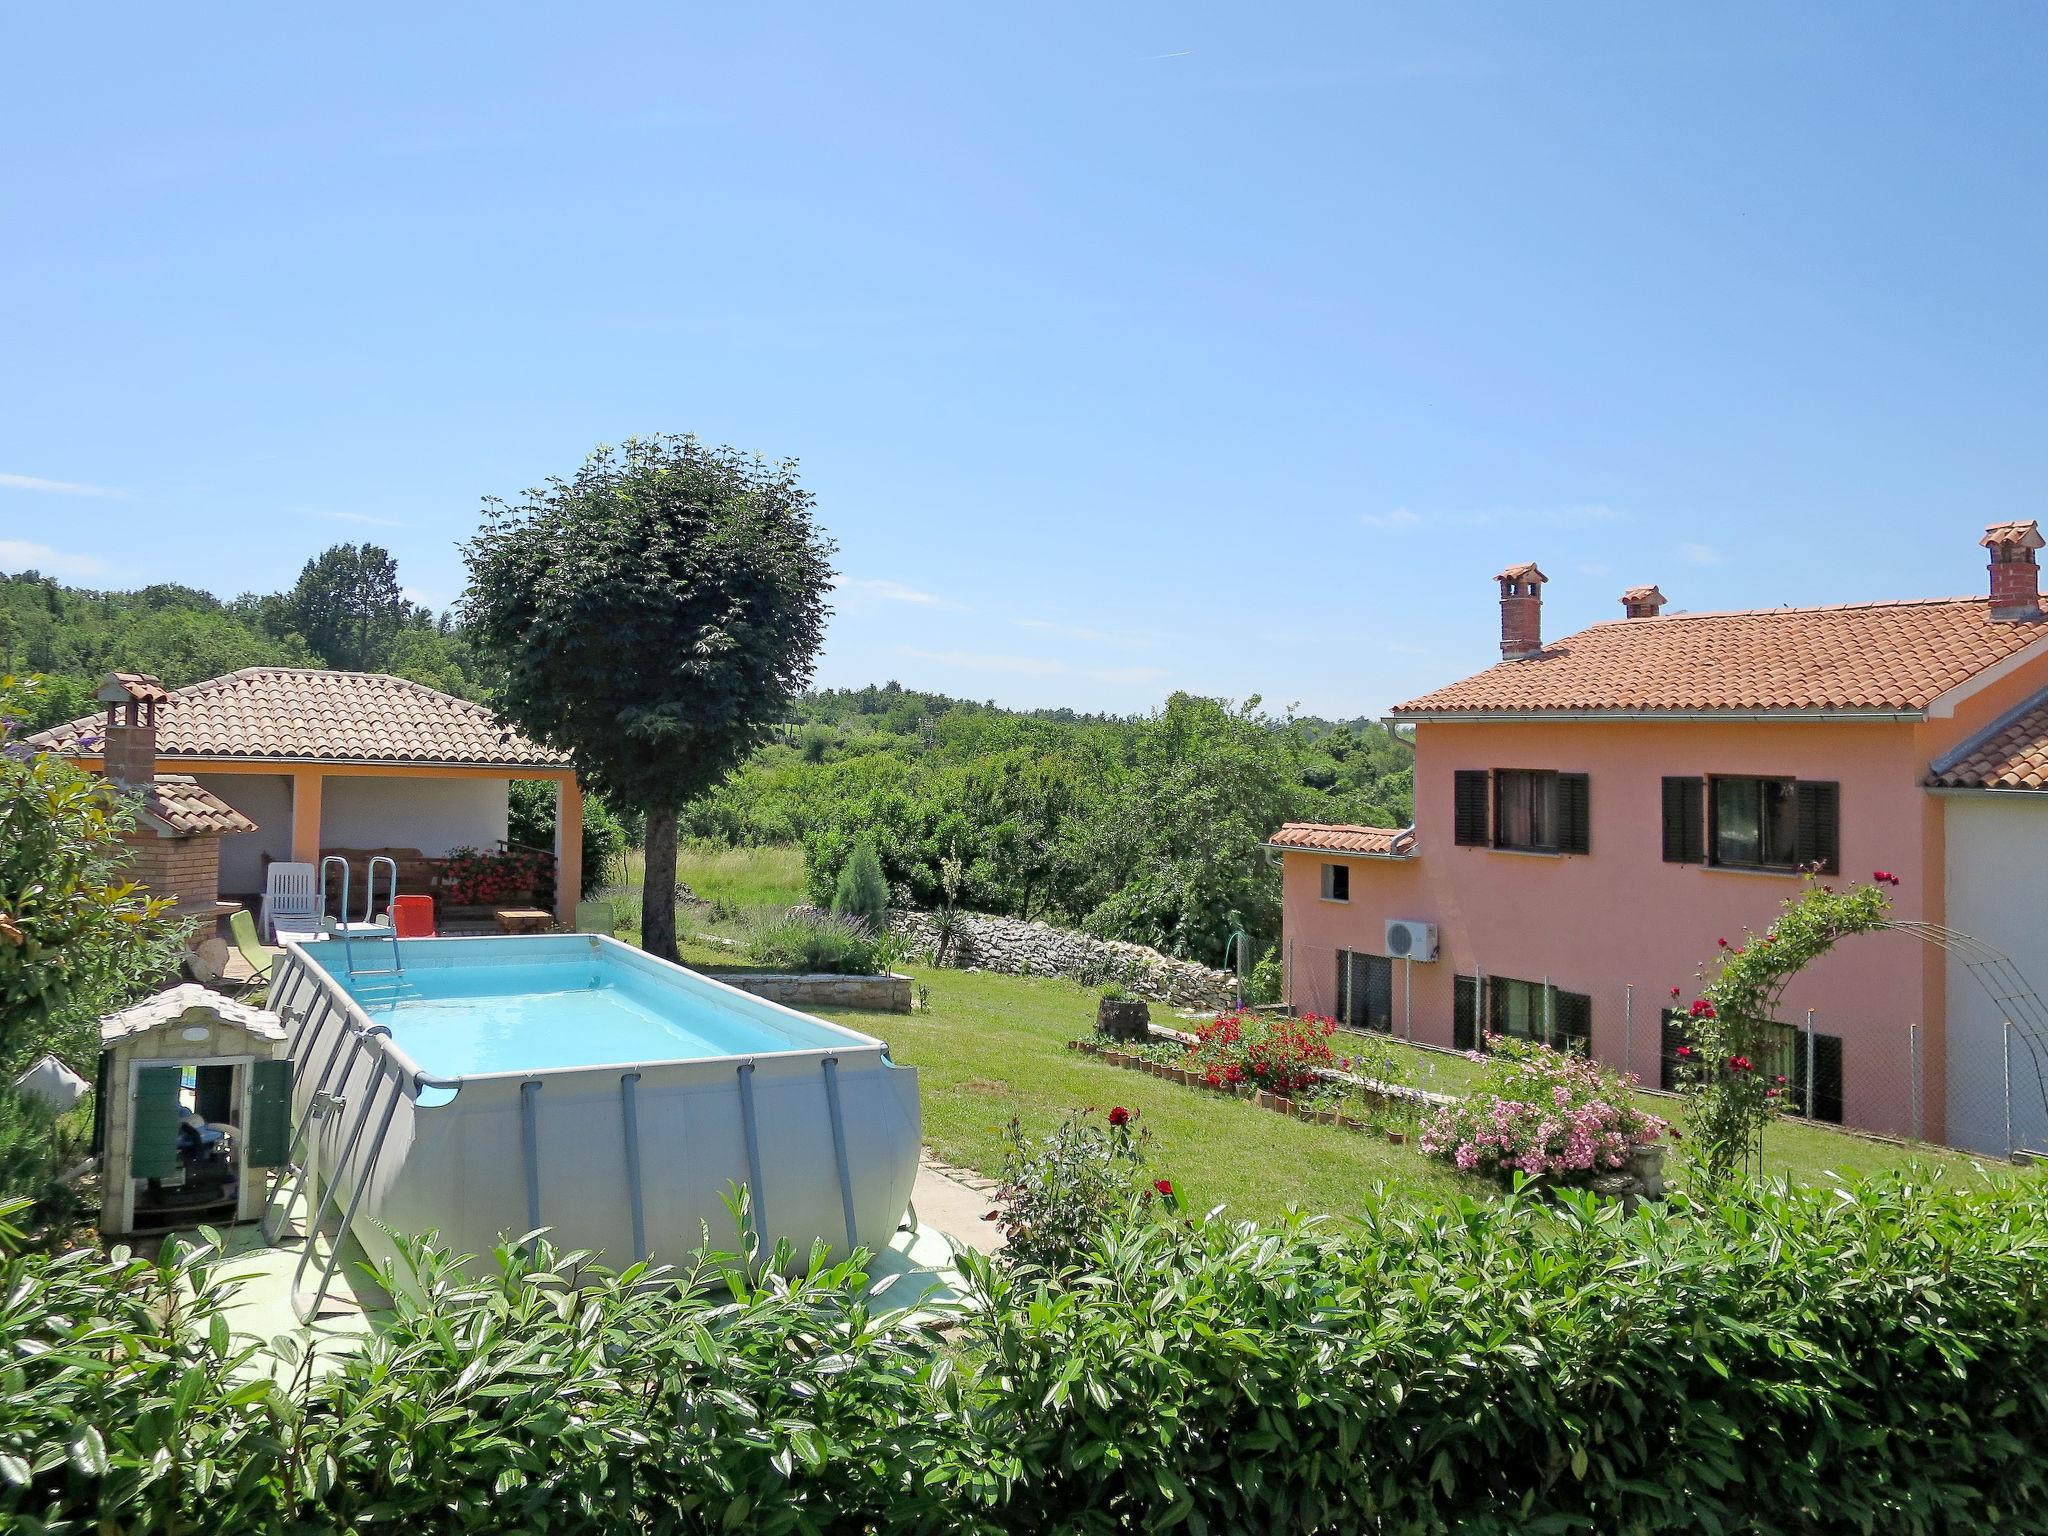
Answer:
(1365, 991)
(1530, 810)
(1744, 822)
(1336, 882)
(1527, 1010)
(1783, 1054)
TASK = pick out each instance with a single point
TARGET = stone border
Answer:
(887, 993)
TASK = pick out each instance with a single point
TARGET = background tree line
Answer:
(346, 610)
(1144, 827)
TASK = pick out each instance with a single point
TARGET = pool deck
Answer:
(915, 1273)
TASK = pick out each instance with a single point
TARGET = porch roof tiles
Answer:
(1336, 837)
(175, 802)
(2010, 753)
(306, 715)
(1892, 657)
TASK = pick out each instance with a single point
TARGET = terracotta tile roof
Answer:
(1643, 595)
(303, 715)
(177, 804)
(2009, 753)
(1859, 657)
(1334, 837)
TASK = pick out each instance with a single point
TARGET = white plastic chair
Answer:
(291, 900)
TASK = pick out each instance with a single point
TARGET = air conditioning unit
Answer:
(1410, 940)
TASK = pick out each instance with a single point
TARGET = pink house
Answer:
(1594, 814)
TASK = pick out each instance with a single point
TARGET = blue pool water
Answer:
(459, 1011)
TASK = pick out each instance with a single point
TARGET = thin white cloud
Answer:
(1127, 637)
(884, 590)
(426, 599)
(1493, 517)
(1702, 554)
(20, 555)
(1124, 676)
(60, 487)
(1596, 570)
(1179, 53)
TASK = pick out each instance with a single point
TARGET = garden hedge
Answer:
(1872, 1359)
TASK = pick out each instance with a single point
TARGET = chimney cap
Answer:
(132, 688)
(2027, 535)
(1526, 571)
(1644, 595)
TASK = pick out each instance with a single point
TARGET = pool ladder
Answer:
(390, 931)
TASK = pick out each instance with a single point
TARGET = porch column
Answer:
(568, 848)
(306, 786)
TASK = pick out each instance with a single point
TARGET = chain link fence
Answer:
(1987, 1093)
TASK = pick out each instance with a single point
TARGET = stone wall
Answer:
(1018, 948)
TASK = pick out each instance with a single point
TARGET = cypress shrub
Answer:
(862, 892)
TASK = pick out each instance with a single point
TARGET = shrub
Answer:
(37, 1145)
(1785, 1362)
(861, 892)
(1541, 1112)
(1282, 1054)
(1116, 992)
(814, 941)
(1268, 980)
(1060, 1191)
(605, 837)
(1862, 1359)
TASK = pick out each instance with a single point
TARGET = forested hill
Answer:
(1143, 827)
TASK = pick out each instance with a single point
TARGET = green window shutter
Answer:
(1685, 823)
(267, 1140)
(1574, 813)
(1469, 811)
(154, 1125)
(1818, 829)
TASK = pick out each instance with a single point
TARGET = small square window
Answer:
(1336, 882)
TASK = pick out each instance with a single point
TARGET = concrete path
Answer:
(956, 1201)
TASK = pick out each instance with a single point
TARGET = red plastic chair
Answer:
(412, 917)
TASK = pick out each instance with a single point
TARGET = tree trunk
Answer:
(658, 893)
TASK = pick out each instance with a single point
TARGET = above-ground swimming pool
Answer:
(488, 1086)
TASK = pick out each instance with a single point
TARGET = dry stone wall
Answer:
(1017, 948)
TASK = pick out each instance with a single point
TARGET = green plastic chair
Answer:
(242, 928)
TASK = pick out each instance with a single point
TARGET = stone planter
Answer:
(1646, 1168)
(1124, 1018)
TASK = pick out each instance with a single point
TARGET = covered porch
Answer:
(304, 812)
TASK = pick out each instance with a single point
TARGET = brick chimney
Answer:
(1521, 611)
(1642, 602)
(2015, 577)
(128, 755)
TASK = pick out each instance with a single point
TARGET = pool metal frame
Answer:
(389, 1060)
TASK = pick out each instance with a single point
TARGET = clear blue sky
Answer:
(1131, 348)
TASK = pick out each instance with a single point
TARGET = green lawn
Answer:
(993, 1047)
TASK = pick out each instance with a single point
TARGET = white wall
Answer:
(1997, 868)
(266, 799)
(432, 815)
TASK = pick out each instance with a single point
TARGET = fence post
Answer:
(1913, 1073)
(1287, 979)
(1809, 1063)
(1408, 995)
(2008, 1088)
(1628, 1027)
(1479, 1008)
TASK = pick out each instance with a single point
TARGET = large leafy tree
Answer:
(654, 617)
(77, 938)
(349, 606)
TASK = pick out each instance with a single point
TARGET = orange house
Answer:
(321, 760)
(1593, 815)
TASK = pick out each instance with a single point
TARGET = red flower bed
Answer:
(1271, 1051)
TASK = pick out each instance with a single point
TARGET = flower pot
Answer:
(1397, 1137)
(1124, 1018)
